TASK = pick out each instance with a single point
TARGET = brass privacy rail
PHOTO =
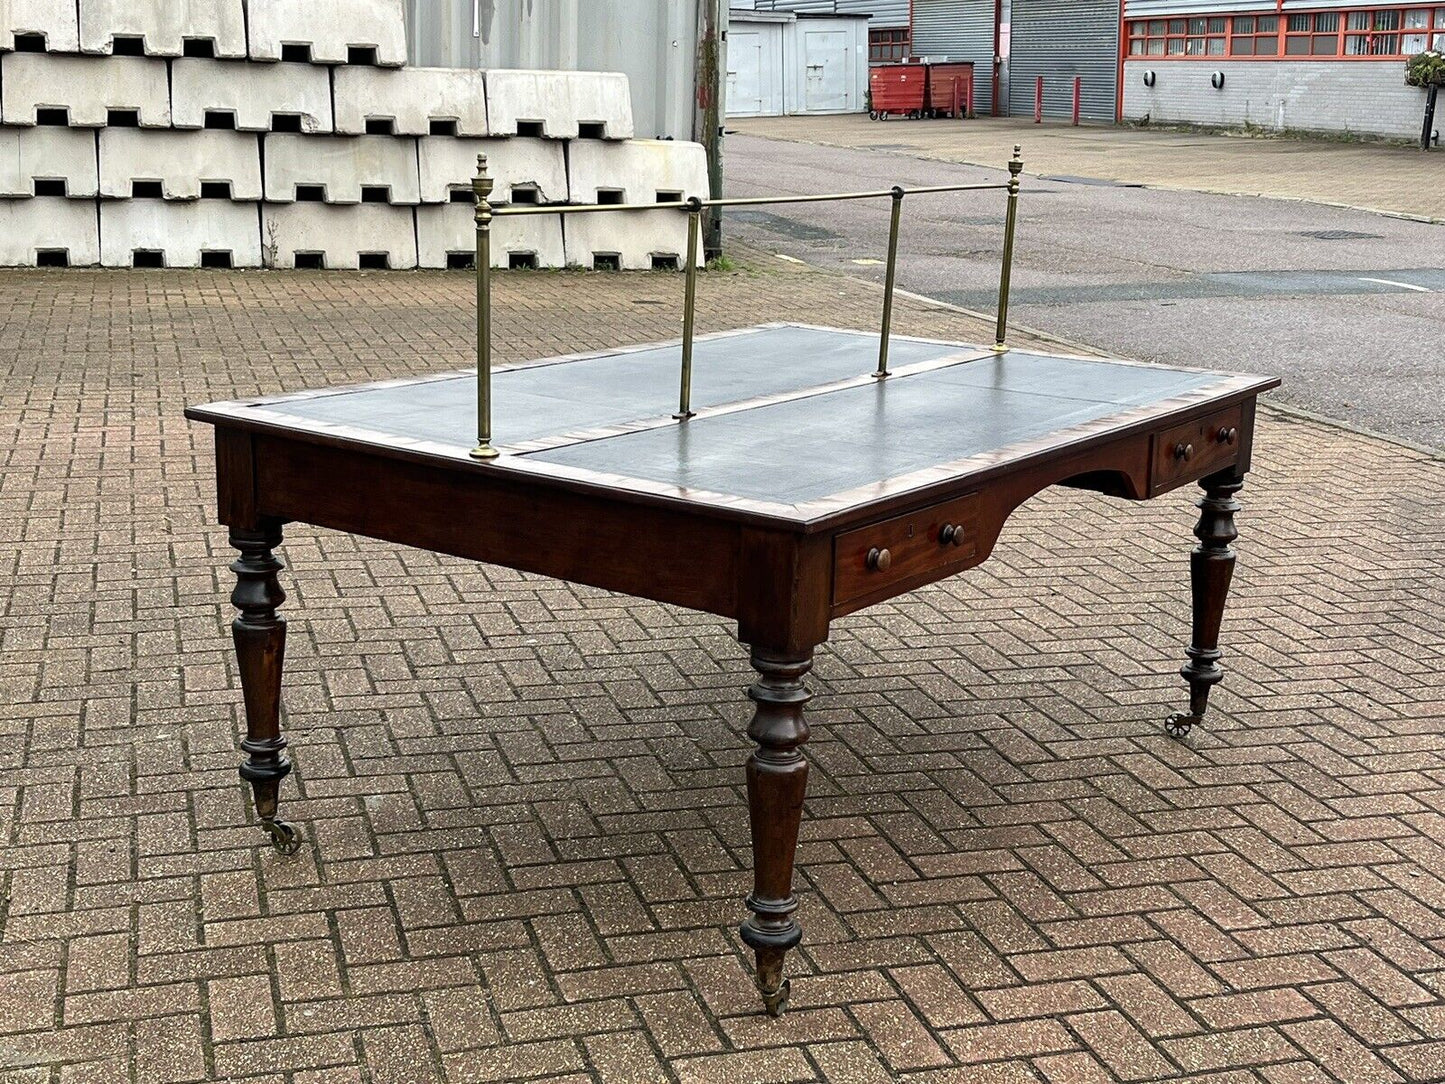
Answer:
(483, 184)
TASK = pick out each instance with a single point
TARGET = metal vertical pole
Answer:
(482, 187)
(1078, 97)
(708, 110)
(1039, 100)
(890, 276)
(1015, 167)
(689, 308)
(1427, 130)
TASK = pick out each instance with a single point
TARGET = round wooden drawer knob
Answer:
(879, 560)
(1228, 435)
(950, 534)
(1183, 451)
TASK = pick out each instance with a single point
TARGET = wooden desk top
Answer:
(791, 426)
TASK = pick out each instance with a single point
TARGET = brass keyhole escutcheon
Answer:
(1184, 451)
(950, 534)
(879, 560)
(1228, 435)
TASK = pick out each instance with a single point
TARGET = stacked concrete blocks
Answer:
(289, 133)
(638, 171)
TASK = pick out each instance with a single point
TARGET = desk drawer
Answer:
(905, 551)
(1196, 448)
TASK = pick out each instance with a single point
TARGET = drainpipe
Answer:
(707, 112)
(997, 55)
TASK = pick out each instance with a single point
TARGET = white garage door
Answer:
(755, 72)
(825, 59)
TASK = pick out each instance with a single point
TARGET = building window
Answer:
(1366, 33)
(1316, 34)
(887, 45)
(1255, 35)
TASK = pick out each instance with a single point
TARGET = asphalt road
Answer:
(1348, 307)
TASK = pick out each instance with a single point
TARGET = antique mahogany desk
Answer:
(802, 489)
(796, 482)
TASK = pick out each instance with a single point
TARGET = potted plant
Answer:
(1425, 69)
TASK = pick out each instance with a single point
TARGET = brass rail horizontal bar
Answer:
(735, 201)
(580, 208)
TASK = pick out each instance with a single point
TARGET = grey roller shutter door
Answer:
(1060, 39)
(958, 30)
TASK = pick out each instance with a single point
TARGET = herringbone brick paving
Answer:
(526, 836)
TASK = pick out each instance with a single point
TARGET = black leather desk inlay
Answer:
(613, 389)
(808, 443)
(815, 447)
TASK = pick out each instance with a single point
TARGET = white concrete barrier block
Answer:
(446, 231)
(181, 161)
(637, 171)
(48, 226)
(347, 237)
(330, 28)
(49, 156)
(343, 166)
(252, 94)
(87, 88)
(165, 27)
(628, 240)
(186, 234)
(411, 99)
(536, 166)
(559, 105)
(54, 20)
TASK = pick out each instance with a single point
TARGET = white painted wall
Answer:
(1366, 97)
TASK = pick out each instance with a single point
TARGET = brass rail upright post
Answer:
(482, 187)
(1015, 167)
(689, 308)
(889, 277)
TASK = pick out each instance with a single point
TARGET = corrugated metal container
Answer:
(897, 90)
(950, 88)
(654, 42)
(1061, 39)
(958, 30)
(884, 13)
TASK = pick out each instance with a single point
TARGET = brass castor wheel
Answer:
(1179, 724)
(284, 838)
(776, 1002)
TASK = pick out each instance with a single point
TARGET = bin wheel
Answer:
(872, 114)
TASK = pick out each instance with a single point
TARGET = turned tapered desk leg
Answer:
(1211, 567)
(260, 635)
(777, 779)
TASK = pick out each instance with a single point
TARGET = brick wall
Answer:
(1354, 96)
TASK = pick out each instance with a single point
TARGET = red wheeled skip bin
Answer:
(950, 89)
(897, 90)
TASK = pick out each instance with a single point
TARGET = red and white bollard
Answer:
(1039, 100)
(1078, 95)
